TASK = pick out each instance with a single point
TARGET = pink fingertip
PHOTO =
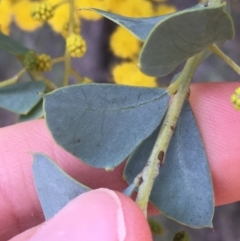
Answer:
(218, 122)
(26, 235)
(101, 214)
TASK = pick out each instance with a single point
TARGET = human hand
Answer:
(113, 215)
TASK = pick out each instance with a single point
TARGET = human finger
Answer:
(219, 125)
(19, 205)
(101, 214)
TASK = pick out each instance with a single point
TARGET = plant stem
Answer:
(156, 159)
(215, 2)
(57, 60)
(67, 61)
(67, 57)
(71, 17)
(50, 85)
(214, 48)
(13, 80)
(59, 4)
(79, 78)
(172, 88)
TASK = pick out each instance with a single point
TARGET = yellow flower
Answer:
(5, 16)
(86, 80)
(127, 73)
(76, 28)
(42, 11)
(90, 15)
(76, 46)
(61, 16)
(22, 15)
(43, 63)
(39, 63)
(132, 8)
(124, 44)
(235, 98)
(164, 9)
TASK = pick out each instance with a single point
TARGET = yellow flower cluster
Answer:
(21, 14)
(86, 80)
(235, 98)
(42, 12)
(39, 63)
(132, 8)
(126, 46)
(65, 29)
(43, 63)
(76, 46)
(90, 15)
(5, 15)
(122, 43)
(127, 73)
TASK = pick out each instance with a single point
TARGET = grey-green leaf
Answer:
(55, 188)
(140, 27)
(35, 113)
(102, 123)
(181, 36)
(21, 97)
(183, 190)
(10, 45)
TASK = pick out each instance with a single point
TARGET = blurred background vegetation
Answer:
(111, 57)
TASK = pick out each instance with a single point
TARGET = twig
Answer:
(79, 78)
(57, 60)
(157, 157)
(67, 61)
(50, 85)
(12, 80)
(67, 57)
(214, 48)
(59, 4)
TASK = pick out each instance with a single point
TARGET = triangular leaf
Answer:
(11, 46)
(55, 188)
(140, 27)
(183, 190)
(182, 35)
(35, 113)
(21, 97)
(102, 123)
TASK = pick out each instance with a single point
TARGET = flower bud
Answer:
(235, 98)
(42, 12)
(43, 63)
(76, 46)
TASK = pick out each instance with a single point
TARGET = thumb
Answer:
(101, 214)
